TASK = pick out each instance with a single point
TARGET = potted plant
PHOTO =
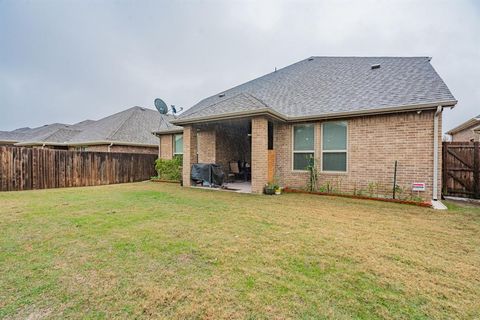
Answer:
(269, 189)
(278, 190)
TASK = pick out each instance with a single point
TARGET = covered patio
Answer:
(242, 148)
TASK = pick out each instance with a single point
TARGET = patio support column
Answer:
(189, 153)
(259, 153)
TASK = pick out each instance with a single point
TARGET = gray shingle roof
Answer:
(326, 85)
(25, 134)
(133, 126)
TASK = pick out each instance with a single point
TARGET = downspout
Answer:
(108, 148)
(435, 152)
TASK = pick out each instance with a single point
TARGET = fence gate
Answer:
(461, 169)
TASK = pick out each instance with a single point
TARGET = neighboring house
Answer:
(170, 139)
(354, 115)
(24, 134)
(128, 131)
(467, 131)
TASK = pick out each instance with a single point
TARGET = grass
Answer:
(151, 250)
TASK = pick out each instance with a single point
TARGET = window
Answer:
(303, 146)
(177, 144)
(334, 146)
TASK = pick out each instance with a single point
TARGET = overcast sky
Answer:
(66, 61)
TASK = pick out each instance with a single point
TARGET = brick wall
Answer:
(374, 143)
(232, 144)
(259, 153)
(206, 145)
(166, 146)
(467, 134)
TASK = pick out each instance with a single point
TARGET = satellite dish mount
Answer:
(163, 109)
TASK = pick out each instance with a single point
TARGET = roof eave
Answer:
(464, 126)
(87, 143)
(114, 143)
(39, 143)
(279, 116)
(369, 112)
(231, 115)
(165, 132)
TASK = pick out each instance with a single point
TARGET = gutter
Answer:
(435, 152)
(86, 143)
(279, 116)
(164, 132)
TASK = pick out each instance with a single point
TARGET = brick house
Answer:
(354, 116)
(128, 131)
(467, 131)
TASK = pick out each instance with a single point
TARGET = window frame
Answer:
(301, 151)
(322, 151)
(175, 145)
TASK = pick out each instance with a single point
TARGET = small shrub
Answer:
(313, 176)
(169, 169)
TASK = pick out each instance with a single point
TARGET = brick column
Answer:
(259, 153)
(189, 153)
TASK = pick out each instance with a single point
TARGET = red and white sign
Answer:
(418, 186)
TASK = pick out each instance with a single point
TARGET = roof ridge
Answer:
(110, 136)
(245, 94)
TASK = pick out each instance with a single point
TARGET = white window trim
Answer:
(334, 151)
(174, 144)
(301, 151)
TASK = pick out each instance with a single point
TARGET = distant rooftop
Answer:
(133, 126)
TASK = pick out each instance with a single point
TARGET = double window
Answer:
(177, 144)
(334, 146)
(303, 146)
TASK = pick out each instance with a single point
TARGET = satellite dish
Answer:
(161, 106)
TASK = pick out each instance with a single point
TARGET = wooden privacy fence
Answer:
(33, 168)
(461, 169)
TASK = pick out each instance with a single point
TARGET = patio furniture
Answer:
(239, 170)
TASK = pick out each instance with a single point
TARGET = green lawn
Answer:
(150, 250)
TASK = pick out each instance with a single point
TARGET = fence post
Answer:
(476, 169)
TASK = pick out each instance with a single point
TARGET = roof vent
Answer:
(310, 59)
(221, 95)
(375, 66)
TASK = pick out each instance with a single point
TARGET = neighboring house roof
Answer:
(133, 126)
(329, 86)
(465, 125)
(25, 134)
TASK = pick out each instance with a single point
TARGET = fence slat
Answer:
(34, 168)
